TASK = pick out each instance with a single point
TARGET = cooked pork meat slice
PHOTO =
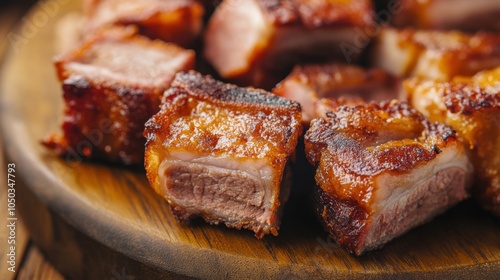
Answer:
(176, 21)
(471, 106)
(254, 42)
(112, 85)
(383, 169)
(449, 14)
(220, 152)
(437, 55)
(319, 88)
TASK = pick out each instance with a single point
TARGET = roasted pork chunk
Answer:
(220, 152)
(319, 88)
(254, 42)
(449, 14)
(471, 106)
(176, 21)
(383, 169)
(437, 55)
(112, 86)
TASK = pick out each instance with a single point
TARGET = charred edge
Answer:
(393, 107)
(466, 99)
(128, 148)
(441, 130)
(344, 220)
(206, 87)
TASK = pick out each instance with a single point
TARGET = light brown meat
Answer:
(176, 21)
(449, 14)
(437, 55)
(383, 169)
(320, 88)
(255, 42)
(220, 152)
(112, 85)
(471, 106)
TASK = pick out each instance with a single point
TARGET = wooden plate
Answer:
(94, 220)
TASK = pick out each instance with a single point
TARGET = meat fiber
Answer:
(220, 152)
(319, 88)
(449, 14)
(176, 21)
(382, 169)
(471, 106)
(255, 42)
(437, 55)
(112, 85)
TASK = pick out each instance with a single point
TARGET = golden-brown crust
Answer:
(323, 87)
(355, 150)
(471, 106)
(273, 118)
(101, 124)
(177, 21)
(87, 51)
(105, 107)
(203, 118)
(437, 55)
(355, 138)
(209, 89)
(470, 45)
(318, 13)
(467, 99)
(324, 77)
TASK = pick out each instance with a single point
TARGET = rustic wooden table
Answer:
(30, 263)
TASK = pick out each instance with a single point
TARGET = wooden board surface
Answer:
(8, 17)
(115, 206)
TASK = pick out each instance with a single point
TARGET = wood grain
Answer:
(8, 17)
(92, 219)
(36, 267)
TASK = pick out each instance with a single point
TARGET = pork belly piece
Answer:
(319, 88)
(383, 169)
(176, 21)
(471, 106)
(255, 42)
(437, 55)
(220, 152)
(449, 14)
(112, 85)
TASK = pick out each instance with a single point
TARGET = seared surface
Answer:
(317, 13)
(471, 107)
(377, 163)
(112, 85)
(437, 55)
(219, 151)
(257, 42)
(177, 21)
(320, 88)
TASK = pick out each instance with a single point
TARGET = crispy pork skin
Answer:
(437, 55)
(383, 169)
(254, 42)
(471, 106)
(319, 88)
(220, 152)
(449, 14)
(176, 21)
(112, 85)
